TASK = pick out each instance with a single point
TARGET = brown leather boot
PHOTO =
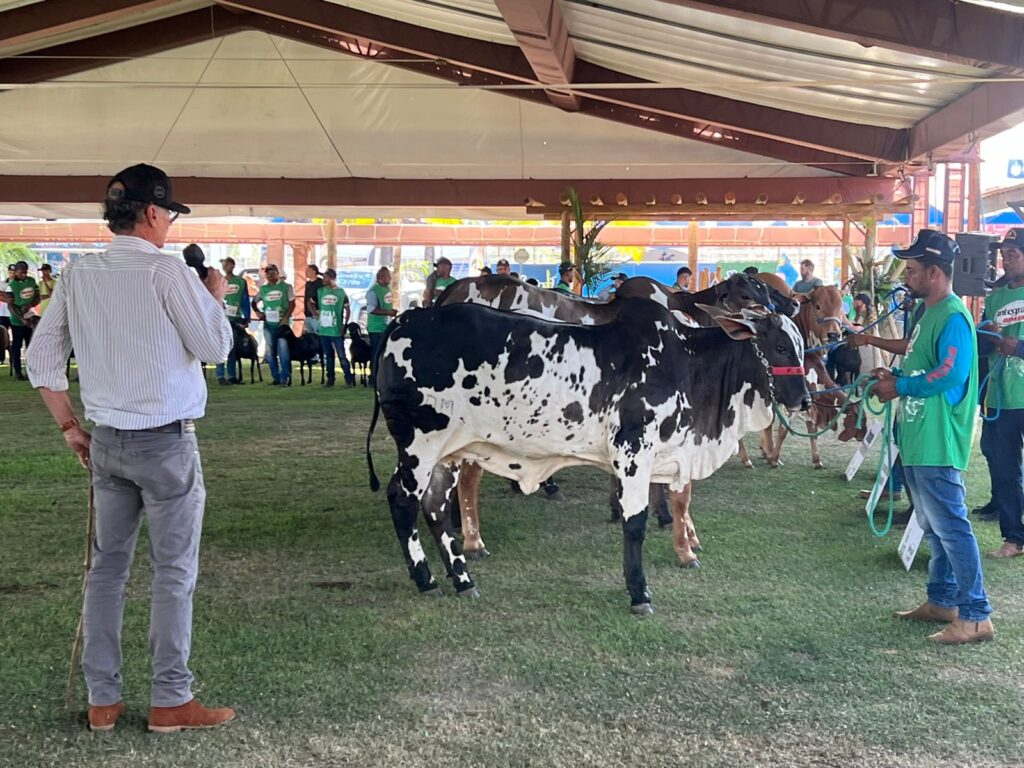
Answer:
(960, 632)
(927, 612)
(1009, 549)
(191, 714)
(104, 718)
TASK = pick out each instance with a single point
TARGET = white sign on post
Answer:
(880, 483)
(874, 430)
(911, 541)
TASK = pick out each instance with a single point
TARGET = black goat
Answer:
(359, 351)
(244, 347)
(305, 350)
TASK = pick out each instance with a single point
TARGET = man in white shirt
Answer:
(5, 316)
(141, 323)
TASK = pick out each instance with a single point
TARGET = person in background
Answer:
(380, 308)
(567, 275)
(751, 271)
(683, 277)
(863, 310)
(438, 280)
(485, 271)
(1002, 437)
(334, 316)
(532, 281)
(807, 282)
(274, 305)
(514, 275)
(238, 311)
(5, 311)
(140, 322)
(22, 295)
(310, 300)
(47, 285)
(609, 292)
(503, 267)
(937, 390)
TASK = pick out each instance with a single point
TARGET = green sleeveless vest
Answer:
(233, 298)
(932, 432)
(379, 323)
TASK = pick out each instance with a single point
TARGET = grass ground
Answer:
(779, 652)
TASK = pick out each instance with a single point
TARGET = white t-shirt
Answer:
(5, 309)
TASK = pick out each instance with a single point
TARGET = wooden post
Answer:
(332, 243)
(566, 238)
(844, 268)
(396, 276)
(974, 196)
(692, 232)
(300, 260)
(870, 239)
(275, 253)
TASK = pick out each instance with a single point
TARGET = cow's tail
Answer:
(374, 482)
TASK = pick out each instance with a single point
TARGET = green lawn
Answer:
(779, 652)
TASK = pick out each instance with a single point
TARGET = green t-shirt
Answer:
(233, 298)
(274, 300)
(563, 286)
(379, 323)
(332, 303)
(932, 432)
(1006, 388)
(439, 285)
(24, 293)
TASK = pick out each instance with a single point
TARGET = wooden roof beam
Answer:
(543, 37)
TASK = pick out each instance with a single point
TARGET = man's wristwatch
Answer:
(69, 424)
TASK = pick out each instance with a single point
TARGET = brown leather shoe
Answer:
(1009, 549)
(104, 718)
(927, 612)
(960, 632)
(191, 714)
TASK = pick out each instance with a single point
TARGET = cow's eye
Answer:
(781, 349)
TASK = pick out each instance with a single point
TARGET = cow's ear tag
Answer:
(737, 328)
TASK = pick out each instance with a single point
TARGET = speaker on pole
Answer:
(974, 265)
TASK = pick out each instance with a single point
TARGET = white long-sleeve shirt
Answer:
(140, 322)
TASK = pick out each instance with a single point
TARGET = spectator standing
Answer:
(1003, 438)
(683, 277)
(438, 280)
(311, 299)
(503, 267)
(47, 285)
(485, 271)
(567, 275)
(274, 306)
(609, 293)
(380, 308)
(22, 295)
(238, 311)
(143, 391)
(938, 395)
(807, 282)
(334, 315)
(5, 311)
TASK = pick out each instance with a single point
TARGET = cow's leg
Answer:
(437, 501)
(776, 459)
(404, 502)
(658, 501)
(613, 499)
(469, 499)
(744, 458)
(633, 497)
(767, 449)
(684, 535)
(815, 456)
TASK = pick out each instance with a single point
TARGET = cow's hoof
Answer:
(476, 554)
(473, 593)
(435, 593)
(748, 464)
(696, 547)
(819, 465)
(641, 609)
(695, 563)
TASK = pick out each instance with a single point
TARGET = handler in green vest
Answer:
(1003, 437)
(237, 310)
(566, 275)
(438, 280)
(380, 308)
(938, 392)
(274, 306)
(22, 294)
(334, 310)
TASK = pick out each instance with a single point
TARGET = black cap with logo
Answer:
(930, 244)
(144, 184)
(1014, 238)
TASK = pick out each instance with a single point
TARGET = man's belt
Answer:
(181, 426)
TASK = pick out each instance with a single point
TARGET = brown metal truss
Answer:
(543, 37)
(534, 194)
(38, 21)
(940, 29)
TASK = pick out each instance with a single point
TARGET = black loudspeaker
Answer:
(972, 266)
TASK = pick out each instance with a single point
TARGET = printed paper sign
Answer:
(911, 541)
(882, 482)
(874, 430)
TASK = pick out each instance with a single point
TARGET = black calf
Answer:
(359, 351)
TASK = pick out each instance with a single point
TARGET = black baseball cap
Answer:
(621, 276)
(443, 260)
(46, 265)
(930, 244)
(1014, 238)
(144, 184)
(330, 273)
(684, 271)
(503, 262)
(566, 266)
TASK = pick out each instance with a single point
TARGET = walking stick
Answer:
(76, 646)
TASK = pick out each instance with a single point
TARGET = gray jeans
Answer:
(158, 473)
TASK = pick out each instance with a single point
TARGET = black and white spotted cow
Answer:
(642, 397)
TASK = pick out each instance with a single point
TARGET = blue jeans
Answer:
(954, 570)
(278, 357)
(330, 344)
(376, 339)
(1001, 442)
(231, 368)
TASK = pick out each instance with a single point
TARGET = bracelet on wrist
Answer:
(69, 424)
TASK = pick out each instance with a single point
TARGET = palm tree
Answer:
(592, 259)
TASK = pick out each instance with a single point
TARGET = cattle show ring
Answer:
(511, 383)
